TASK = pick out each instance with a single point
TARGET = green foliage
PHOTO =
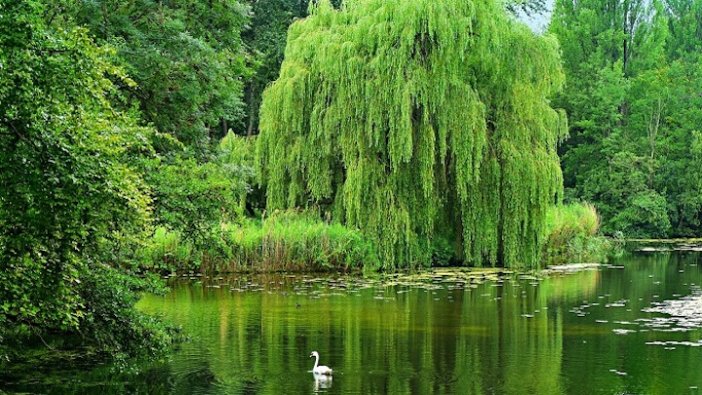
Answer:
(299, 241)
(284, 241)
(267, 35)
(190, 201)
(266, 39)
(111, 321)
(237, 154)
(167, 251)
(70, 193)
(190, 197)
(238, 151)
(442, 252)
(187, 58)
(193, 199)
(633, 70)
(571, 234)
(646, 215)
(406, 124)
(572, 219)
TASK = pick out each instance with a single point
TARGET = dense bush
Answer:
(187, 58)
(110, 319)
(167, 251)
(291, 240)
(192, 199)
(572, 235)
(646, 215)
(190, 196)
(284, 241)
(72, 201)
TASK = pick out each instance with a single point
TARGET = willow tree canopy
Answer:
(416, 120)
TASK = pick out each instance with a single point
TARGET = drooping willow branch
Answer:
(418, 119)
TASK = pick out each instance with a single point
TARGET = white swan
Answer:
(319, 369)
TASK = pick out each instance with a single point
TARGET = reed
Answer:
(297, 241)
(285, 241)
(572, 235)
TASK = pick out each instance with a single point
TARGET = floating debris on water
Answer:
(670, 343)
(617, 372)
(618, 303)
(624, 323)
(619, 331)
(572, 268)
(654, 249)
(683, 314)
(690, 245)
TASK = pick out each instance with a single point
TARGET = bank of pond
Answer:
(629, 326)
(301, 241)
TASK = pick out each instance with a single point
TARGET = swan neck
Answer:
(316, 361)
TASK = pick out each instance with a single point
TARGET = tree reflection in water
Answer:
(512, 334)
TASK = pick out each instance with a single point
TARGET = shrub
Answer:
(290, 240)
(71, 195)
(111, 322)
(191, 196)
(167, 251)
(284, 241)
(571, 235)
(646, 215)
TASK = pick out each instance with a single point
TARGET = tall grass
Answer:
(572, 235)
(286, 241)
(300, 241)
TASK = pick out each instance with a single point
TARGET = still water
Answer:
(602, 331)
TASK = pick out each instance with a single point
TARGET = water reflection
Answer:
(512, 334)
(321, 382)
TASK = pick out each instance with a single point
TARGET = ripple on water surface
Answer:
(598, 329)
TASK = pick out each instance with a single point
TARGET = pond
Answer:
(629, 327)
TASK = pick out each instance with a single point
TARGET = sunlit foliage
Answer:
(410, 125)
(572, 235)
(73, 206)
(632, 97)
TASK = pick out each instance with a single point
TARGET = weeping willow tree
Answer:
(418, 120)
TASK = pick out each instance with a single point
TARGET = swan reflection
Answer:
(322, 381)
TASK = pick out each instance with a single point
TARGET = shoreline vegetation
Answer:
(573, 236)
(299, 241)
(285, 241)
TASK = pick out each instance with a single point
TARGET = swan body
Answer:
(317, 369)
